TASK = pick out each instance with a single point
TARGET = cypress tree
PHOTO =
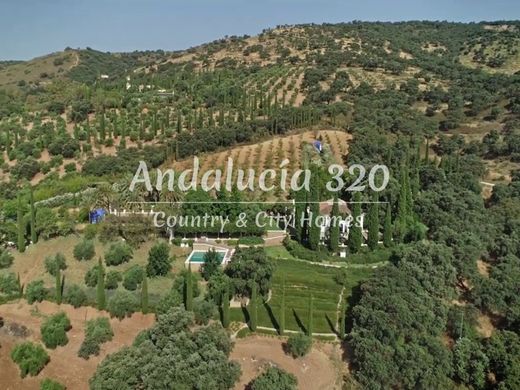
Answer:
(314, 207)
(355, 237)
(252, 309)
(427, 152)
(334, 228)
(373, 222)
(281, 322)
(21, 226)
(58, 286)
(188, 293)
(100, 291)
(225, 308)
(310, 323)
(387, 231)
(144, 295)
(34, 236)
(300, 199)
(179, 123)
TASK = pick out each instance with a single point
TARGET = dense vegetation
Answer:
(436, 102)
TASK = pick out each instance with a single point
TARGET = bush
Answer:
(274, 378)
(204, 311)
(53, 263)
(97, 331)
(35, 292)
(31, 358)
(133, 277)
(122, 304)
(112, 280)
(54, 330)
(90, 232)
(6, 259)
(75, 296)
(49, 384)
(159, 262)
(84, 250)
(91, 277)
(299, 345)
(118, 253)
(9, 284)
(252, 240)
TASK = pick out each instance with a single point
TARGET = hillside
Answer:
(285, 78)
(415, 288)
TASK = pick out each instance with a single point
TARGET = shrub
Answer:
(6, 259)
(112, 280)
(122, 304)
(97, 331)
(118, 253)
(31, 358)
(91, 277)
(35, 291)
(49, 384)
(299, 345)
(75, 296)
(274, 378)
(159, 262)
(84, 250)
(252, 240)
(9, 284)
(204, 311)
(53, 263)
(172, 299)
(133, 277)
(54, 330)
(90, 232)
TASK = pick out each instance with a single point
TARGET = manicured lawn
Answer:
(301, 280)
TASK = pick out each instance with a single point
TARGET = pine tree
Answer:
(58, 286)
(188, 293)
(252, 309)
(144, 295)
(310, 323)
(373, 222)
(387, 230)
(334, 228)
(34, 236)
(225, 308)
(21, 226)
(100, 291)
(281, 322)
(355, 237)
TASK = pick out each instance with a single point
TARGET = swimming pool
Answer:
(197, 256)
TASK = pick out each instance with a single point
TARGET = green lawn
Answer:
(301, 280)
